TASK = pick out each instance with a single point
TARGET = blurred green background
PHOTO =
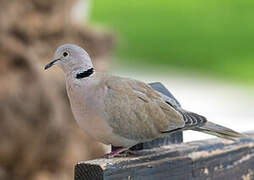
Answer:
(214, 36)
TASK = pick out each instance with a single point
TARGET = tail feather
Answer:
(219, 131)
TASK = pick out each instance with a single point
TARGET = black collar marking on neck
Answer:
(84, 74)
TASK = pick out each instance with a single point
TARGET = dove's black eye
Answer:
(65, 54)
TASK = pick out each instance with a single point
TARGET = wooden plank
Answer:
(209, 159)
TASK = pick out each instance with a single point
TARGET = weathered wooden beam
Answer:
(209, 159)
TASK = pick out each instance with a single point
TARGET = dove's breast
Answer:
(87, 104)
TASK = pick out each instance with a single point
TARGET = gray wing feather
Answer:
(191, 119)
(136, 111)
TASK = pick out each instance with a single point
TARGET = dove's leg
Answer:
(120, 152)
(116, 152)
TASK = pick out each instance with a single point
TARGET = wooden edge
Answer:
(214, 158)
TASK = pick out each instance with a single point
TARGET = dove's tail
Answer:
(219, 131)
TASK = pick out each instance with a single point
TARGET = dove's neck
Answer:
(80, 72)
(84, 73)
(79, 80)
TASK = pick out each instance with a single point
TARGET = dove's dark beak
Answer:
(50, 64)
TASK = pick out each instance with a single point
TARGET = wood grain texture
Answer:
(209, 159)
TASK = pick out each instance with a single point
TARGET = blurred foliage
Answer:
(214, 36)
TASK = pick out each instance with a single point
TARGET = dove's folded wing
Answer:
(136, 111)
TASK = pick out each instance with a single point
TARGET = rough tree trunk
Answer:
(39, 138)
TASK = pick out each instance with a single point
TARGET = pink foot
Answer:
(120, 152)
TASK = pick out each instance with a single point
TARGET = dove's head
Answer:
(72, 59)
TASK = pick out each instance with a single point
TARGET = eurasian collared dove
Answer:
(122, 111)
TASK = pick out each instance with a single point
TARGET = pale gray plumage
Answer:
(122, 111)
